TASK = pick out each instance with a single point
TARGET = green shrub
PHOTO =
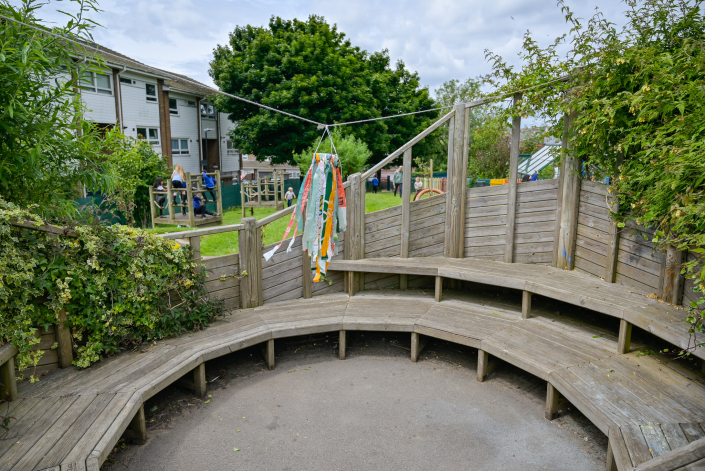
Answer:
(119, 286)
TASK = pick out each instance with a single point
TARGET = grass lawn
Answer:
(227, 243)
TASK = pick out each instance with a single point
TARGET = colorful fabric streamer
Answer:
(320, 209)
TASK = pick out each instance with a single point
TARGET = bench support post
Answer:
(439, 289)
(484, 366)
(8, 383)
(417, 345)
(63, 339)
(138, 426)
(268, 353)
(625, 337)
(199, 380)
(342, 345)
(554, 402)
(403, 282)
(525, 304)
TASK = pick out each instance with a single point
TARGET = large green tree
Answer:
(47, 154)
(310, 69)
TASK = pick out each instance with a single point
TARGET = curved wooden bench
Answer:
(630, 305)
(71, 419)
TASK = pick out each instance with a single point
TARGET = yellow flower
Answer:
(175, 246)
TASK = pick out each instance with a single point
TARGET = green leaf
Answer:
(236, 449)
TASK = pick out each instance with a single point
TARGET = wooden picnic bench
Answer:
(648, 406)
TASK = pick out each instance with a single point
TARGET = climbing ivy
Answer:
(636, 94)
(119, 286)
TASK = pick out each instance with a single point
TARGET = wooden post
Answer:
(456, 197)
(249, 264)
(568, 222)
(269, 353)
(242, 198)
(405, 204)
(612, 243)
(306, 273)
(170, 200)
(8, 383)
(63, 339)
(525, 304)
(418, 342)
(189, 201)
(554, 402)
(513, 172)
(353, 236)
(439, 289)
(625, 337)
(342, 345)
(276, 190)
(195, 243)
(152, 208)
(138, 426)
(673, 281)
(199, 380)
(484, 366)
(219, 197)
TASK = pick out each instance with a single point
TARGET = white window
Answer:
(207, 111)
(190, 103)
(97, 83)
(151, 91)
(173, 107)
(179, 147)
(150, 135)
(127, 81)
(229, 146)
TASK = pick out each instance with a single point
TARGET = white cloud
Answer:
(441, 39)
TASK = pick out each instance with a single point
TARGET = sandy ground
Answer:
(374, 411)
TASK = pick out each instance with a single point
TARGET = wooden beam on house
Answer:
(513, 173)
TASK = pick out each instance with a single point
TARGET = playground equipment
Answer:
(175, 216)
(432, 186)
(263, 192)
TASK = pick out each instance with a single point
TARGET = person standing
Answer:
(289, 197)
(397, 179)
(375, 184)
(418, 185)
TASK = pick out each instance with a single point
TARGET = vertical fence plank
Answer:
(189, 201)
(63, 339)
(513, 173)
(249, 261)
(353, 236)
(170, 198)
(152, 208)
(405, 205)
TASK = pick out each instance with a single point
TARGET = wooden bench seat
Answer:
(71, 419)
(623, 302)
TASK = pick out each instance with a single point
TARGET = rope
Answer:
(291, 115)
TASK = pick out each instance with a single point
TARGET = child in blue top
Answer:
(199, 208)
(375, 184)
(209, 183)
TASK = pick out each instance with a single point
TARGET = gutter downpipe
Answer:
(119, 88)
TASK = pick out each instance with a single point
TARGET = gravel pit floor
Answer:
(376, 410)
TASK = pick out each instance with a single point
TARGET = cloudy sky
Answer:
(440, 39)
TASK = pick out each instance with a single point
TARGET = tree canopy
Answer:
(47, 154)
(310, 69)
